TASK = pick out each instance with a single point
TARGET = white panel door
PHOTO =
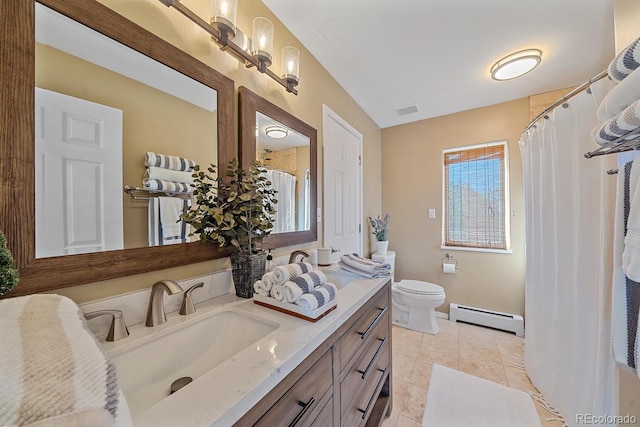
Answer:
(78, 176)
(342, 184)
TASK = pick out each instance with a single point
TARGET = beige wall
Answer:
(412, 184)
(316, 87)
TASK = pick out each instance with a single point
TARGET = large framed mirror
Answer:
(180, 107)
(288, 148)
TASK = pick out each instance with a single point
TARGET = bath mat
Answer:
(456, 399)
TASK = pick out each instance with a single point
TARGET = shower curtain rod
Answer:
(568, 96)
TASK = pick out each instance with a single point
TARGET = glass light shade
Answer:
(262, 39)
(223, 15)
(276, 132)
(516, 64)
(291, 64)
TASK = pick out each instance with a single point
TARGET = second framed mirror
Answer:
(288, 148)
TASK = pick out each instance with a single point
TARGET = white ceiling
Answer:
(437, 54)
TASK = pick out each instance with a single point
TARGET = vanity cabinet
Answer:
(346, 381)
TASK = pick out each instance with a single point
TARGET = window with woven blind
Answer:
(475, 197)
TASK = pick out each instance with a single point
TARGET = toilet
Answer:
(414, 301)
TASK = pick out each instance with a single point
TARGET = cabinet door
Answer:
(297, 404)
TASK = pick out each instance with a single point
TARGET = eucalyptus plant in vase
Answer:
(236, 214)
(380, 229)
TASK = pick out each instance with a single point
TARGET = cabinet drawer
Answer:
(360, 409)
(300, 400)
(353, 339)
(325, 417)
(367, 363)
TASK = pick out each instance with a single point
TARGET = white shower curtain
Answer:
(285, 184)
(569, 203)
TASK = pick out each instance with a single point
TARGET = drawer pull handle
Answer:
(305, 408)
(373, 397)
(373, 324)
(373, 359)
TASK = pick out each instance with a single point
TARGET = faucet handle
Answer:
(118, 329)
(187, 301)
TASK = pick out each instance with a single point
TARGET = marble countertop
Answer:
(224, 394)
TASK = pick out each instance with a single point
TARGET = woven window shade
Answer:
(474, 191)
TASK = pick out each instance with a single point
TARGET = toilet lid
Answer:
(421, 288)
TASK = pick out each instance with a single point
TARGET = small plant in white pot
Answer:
(380, 229)
(236, 215)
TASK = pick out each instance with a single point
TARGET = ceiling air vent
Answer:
(407, 110)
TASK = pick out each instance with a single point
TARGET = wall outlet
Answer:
(432, 214)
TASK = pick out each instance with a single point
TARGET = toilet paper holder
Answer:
(449, 258)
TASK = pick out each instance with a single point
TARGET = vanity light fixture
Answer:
(290, 65)
(255, 52)
(276, 132)
(516, 64)
(223, 18)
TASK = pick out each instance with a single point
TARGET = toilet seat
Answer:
(420, 288)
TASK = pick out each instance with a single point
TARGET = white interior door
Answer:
(78, 176)
(342, 184)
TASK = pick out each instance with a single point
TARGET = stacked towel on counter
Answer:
(165, 226)
(619, 111)
(370, 269)
(318, 297)
(297, 284)
(626, 287)
(53, 371)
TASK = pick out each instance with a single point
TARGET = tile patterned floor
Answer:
(478, 351)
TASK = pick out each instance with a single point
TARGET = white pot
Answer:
(381, 247)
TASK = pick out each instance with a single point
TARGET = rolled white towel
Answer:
(287, 272)
(154, 172)
(168, 162)
(318, 297)
(294, 288)
(269, 280)
(277, 292)
(259, 288)
(169, 186)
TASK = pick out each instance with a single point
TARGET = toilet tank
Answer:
(388, 258)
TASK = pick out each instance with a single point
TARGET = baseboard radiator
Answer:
(493, 319)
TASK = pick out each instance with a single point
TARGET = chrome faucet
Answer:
(187, 300)
(155, 311)
(294, 254)
(118, 328)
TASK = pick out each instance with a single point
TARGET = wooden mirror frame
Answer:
(251, 103)
(17, 147)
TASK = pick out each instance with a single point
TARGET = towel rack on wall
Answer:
(143, 194)
(627, 142)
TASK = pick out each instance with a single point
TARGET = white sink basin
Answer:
(191, 348)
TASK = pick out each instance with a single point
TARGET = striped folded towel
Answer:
(320, 296)
(168, 162)
(620, 125)
(52, 367)
(364, 273)
(625, 62)
(294, 288)
(284, 273)
(155, 172)
(357, 262)
(277, 292)
(260, 289)
(169, 186)
(620, 97)
(269, 280)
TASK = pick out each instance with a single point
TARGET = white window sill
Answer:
(494, 251)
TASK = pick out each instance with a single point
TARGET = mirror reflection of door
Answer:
(163, 111)
(79, 171)
(286, 155)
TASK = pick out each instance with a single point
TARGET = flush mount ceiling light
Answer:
(516, 64)
(276, 132)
